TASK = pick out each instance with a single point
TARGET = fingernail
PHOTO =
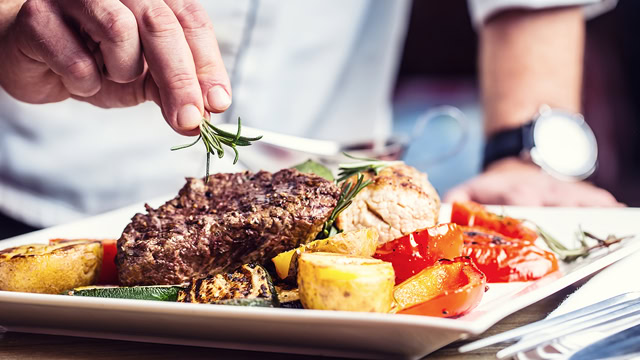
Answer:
(189, 117)
(218, 98)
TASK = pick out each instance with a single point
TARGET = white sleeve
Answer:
(481, 10)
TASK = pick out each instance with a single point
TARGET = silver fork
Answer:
(391, 148)
(622, 310)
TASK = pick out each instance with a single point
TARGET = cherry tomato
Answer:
(503, 259)
(108, 271)
(448, 288)
(411, 253)
(473, 214)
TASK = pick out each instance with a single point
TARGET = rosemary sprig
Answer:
(213, 139)
(569, 255)
(347, 170)
(348, 192)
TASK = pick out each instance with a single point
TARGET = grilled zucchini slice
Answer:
(158, 293)
(255, 302)
(50, 269)
(250, 285)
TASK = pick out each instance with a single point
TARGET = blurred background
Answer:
(439, 67)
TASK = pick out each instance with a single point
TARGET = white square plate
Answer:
(301, 331)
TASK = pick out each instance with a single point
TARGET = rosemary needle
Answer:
(213, 138)
(347, 170)
(348, 192)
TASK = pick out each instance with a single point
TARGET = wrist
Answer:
(507, 143)
(558, 141)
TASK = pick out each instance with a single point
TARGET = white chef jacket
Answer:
(316, 68)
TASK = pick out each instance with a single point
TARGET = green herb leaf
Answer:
(213, 138)
(312, 167)
(569, 255)
(347, 170)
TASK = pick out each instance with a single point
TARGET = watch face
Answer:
(564, 145)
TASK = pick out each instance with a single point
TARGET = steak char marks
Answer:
(232, 220)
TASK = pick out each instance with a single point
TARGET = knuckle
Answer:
(80, 69)
(511, 197)
(193, 17)
(212, 74)
(33, 16)
(179, 81)
(119, 26)
(30, 10)
(159, 21)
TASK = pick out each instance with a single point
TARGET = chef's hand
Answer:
(117, 53)
(512, 181)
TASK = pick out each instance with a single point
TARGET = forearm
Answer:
(530, 58)
(8, 11)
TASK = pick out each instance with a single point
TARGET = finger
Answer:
(26, 79)
(170, 63)
(577, 194)
(46, 38)
(593, 196)
(212, 75)
(459, 193)
(111, 25)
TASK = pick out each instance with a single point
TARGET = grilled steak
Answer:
(214, 227)
(399, 201)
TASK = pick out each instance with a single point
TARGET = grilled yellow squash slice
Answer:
(50, 269)
(328, 281)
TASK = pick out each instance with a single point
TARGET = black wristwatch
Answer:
(560, 142)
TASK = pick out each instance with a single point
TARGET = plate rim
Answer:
(464, 328)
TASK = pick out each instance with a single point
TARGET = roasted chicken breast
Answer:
(399, 200)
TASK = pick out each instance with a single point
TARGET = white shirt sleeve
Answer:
(481, 10)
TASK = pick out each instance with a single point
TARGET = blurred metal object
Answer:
(622, 345)
(620, 317)
(289, 142)
(620, 311)
(392, 148)
(443, 111)
(596, 309)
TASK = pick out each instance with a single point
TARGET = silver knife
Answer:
(542, 326)
(619, 345)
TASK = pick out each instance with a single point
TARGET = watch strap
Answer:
(507, 143)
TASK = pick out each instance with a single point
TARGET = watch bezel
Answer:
(590, 165)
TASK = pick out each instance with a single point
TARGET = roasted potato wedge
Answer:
(361, 242)
(50, 269)
(329, 281)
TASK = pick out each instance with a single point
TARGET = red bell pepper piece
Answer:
(448, 288)
(109, 272)
(473, 214)
(503, 259)
(411, 253)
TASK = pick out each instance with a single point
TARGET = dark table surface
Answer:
(35, 346)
